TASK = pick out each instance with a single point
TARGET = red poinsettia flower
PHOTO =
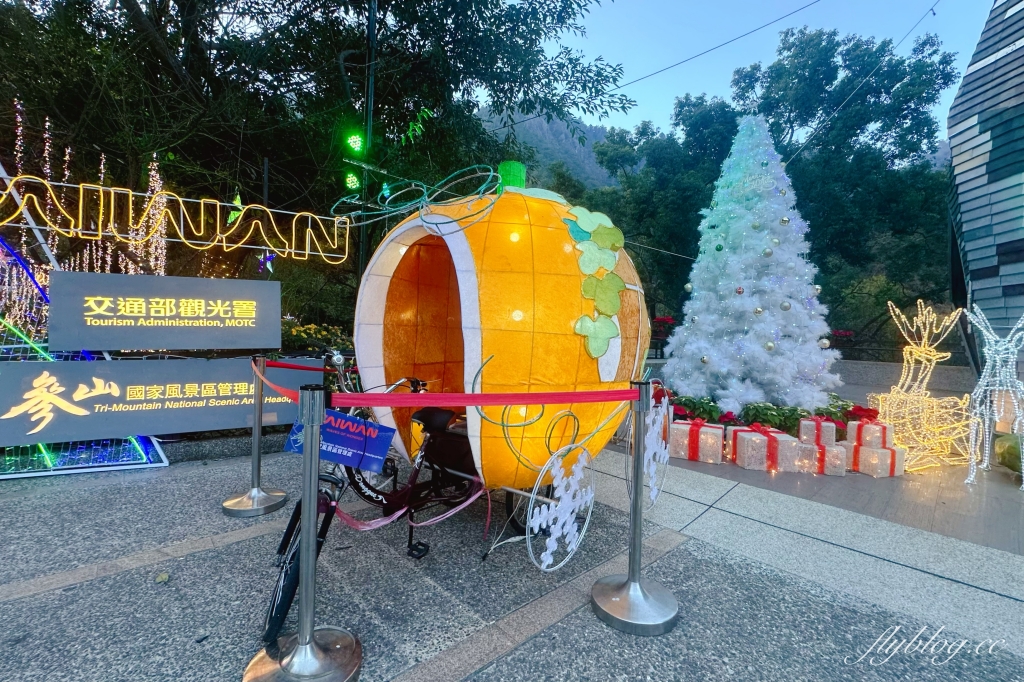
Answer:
(728, 418)
(680, 412)
(856, 413)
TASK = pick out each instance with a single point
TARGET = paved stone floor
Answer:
(989, 513)
(771, 587)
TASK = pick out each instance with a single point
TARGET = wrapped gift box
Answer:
(877, 462)
(764, 451)
(731, 433)
(817, 431)
(697, 441)
(818, 459)
(872, 434)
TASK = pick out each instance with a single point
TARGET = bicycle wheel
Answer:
(288, 555)
(376, 489)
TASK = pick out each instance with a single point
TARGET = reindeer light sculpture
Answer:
(997, 382)
(933, 430)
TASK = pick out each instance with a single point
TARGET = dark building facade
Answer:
(986, 136)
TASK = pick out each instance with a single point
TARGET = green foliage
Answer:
(701, 408)
(777, 417)
(296, 337)
(875, 206)
(212, 87)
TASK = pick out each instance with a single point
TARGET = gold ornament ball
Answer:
(688, 287)
(704, 359)
(769, 346)
(739, 291)
(823, 343)
(755, 226)
(782, 192)
(758, 311)
(784, 220)
(775, 241)
(785, 305)
(767, 253)
(817, 289)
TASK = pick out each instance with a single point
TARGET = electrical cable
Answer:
(680, 63)
(859, 85)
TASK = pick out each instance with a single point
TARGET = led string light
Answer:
(932, 430)
(200, 225)
(997, 383)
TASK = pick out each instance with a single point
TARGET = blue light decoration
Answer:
(265, 260)
(22, 339)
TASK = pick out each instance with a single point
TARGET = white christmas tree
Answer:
(753, 329)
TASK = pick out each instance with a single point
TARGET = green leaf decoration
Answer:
(590, 221)
(233, 216)
(598, 332)
(608, 238)
(539, 194)
(605, 292)
(575, 232)
(594, 258)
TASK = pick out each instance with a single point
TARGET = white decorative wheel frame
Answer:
(561, 523)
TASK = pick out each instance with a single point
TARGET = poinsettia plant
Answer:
(783, 418)
(661, 327)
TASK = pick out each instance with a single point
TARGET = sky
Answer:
(647, 35)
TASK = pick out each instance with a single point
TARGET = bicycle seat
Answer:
(434, 420)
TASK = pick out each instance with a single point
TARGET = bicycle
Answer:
(444, 487)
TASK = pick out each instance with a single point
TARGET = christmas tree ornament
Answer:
(817, 289)
(823, 343)
(739, 291)
(704, 359)
(795, 371)
(688, 288)
(718, 247)
(764, 164)
(758, 310)
(782, 192)
(785, 305)
(694, 319)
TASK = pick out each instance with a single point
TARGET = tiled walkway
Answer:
(989, 513)
(771, 587)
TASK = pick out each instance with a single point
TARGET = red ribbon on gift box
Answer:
(818, 421)
(856, 447)
(693, 439)
(772, 461)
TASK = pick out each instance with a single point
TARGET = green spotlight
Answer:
(351, 181)
(355, 142)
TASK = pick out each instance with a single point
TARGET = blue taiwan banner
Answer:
(354, 442)
(293, 443)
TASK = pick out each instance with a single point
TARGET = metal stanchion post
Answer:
(628, 602)
(257, 501)
(327, 654)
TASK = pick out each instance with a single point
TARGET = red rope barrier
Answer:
(463, 399)
(288, 365)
